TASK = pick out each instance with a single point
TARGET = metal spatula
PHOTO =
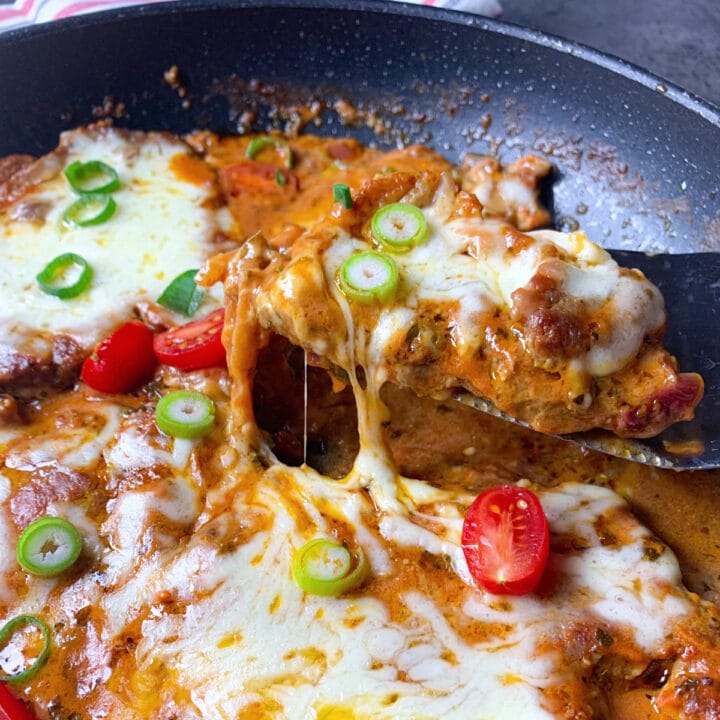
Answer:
(690, 284)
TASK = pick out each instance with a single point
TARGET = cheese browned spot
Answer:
(510, 192)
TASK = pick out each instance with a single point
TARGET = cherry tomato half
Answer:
(11, 708)
(506, 540)
(195, 345)
(123, 361)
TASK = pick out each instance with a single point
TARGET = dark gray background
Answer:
(678, 40)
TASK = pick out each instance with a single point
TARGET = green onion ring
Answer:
(341, 194)
(325, 567)
(90, 209)
(368, 277)
(258, 143)
(53, 273)
(182, 294)
(399, 227)
(92, 177)
(48, 546)
(6, 633)
(185, 414)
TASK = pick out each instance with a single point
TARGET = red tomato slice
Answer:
(506, 540)
(196, 345)
(121, 362)
(11, 708)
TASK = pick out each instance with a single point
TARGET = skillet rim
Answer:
(563, 46)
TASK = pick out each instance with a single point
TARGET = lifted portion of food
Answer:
(413, 285)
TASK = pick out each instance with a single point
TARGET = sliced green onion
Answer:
(90, 209)
(57, 277)
(369, 277)
(341, 194)
(48, 546)
(324, 567)
(399, 227)
(92, 177)
(185, 414)
(6, 633)
(182, 294)
(258, 143)
(280, 178)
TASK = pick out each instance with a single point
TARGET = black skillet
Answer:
(637, 158)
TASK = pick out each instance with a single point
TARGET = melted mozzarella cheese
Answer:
(131, 450)
(617, 583)
(76, 448)
(464, 266)
(626, 584)
(634, 304)
(162, 227)
(7, 560)
(253, 639)
(256, 638)
(110, 443)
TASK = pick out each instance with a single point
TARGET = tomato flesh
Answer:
(506, 540)
(195, 345)
(257, 178)
(121, 362)
(11, 708)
